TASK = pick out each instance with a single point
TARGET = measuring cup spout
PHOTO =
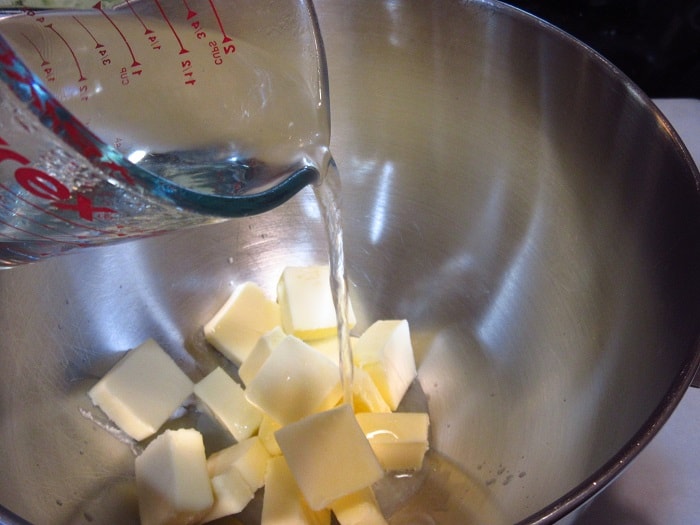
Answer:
(134, 120)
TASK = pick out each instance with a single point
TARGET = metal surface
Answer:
(526, 209)
(661, 486)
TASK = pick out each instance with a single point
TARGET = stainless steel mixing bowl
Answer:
(507, 191)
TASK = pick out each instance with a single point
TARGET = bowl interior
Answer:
(504, 189)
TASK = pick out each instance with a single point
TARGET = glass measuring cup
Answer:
(154, 115)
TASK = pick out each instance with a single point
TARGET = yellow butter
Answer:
(231, 495)
(266, 434)
(259, 354)
(227, 401)
(142, 390)
(306, 303)
(399, 440)
(358, 508)
(236, 472)
(246, 315)
(172, 481)
(330, 346)
(329, 456)
(249, 457)
(283, 503)
(366, 397)
(294, 381)
(385, 352)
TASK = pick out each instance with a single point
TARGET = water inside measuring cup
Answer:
(182, 99)
(178, 96)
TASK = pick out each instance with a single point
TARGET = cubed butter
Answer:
(245, 316)
(329, 456)
(142, 390)
(231, 495)
(249, 457)
(385, 352)
(294, 381)
(172, 481)
(259, 354)
(227, 401)
(283, 503)
(266, 434)
(306, 303)
(366, 397)
(330, 346)
(358, 508)
(399, 440)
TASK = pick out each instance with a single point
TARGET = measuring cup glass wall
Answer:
(155, 115)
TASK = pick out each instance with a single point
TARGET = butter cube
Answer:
(330, 346)
(385, 352)
(329, 456)
(236, 472)
(306, 303)
(283, 503)
(399, 439)
(142, 390)
(266, 434)
(231, 495)
(171, 479)
(261, 351)
(294, 381)
(358, 508)
(366, 397)
(249, 457)
(227, 401)
(245, 316)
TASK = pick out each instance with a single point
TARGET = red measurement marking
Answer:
(36, 235)
(172, 29)
(44, 186)
(51, 214)
(134, 62)
(147, 30)
(226, 38)
(29, 220)
(190, 14)
(75, 58)
(44, 62)
(98, 45)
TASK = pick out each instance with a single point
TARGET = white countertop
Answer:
(662, 485)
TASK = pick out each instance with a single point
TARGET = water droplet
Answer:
(230, 260)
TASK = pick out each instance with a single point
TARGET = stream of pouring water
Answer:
(328, 196)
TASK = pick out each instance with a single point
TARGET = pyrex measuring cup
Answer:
(154, 115)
